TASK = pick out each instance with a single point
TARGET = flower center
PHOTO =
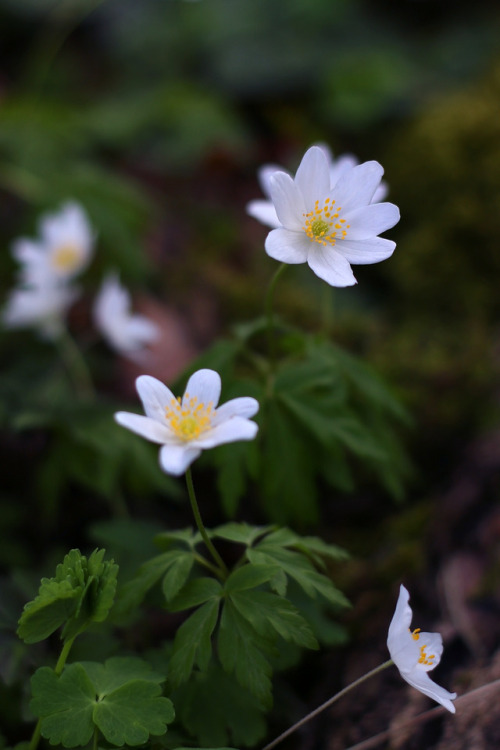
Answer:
(323, 224)
(425, 658)
(188, 418)
(66, 257)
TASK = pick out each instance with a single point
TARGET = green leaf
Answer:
(117, 671)
(177, 574)
(196, 592)
(192, 643)
(272, 615)
(122, 698)
(297, 566)
(81, 592)
(250, 576)
(64, 704)
(132, 712)
(216, 709)
(241, 651)
(240, 533)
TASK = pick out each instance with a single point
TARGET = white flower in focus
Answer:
(264, 211)
(416, 653)
(43, 307)
(184, 427)
(63, 250)
(330, 228)
(127, 333)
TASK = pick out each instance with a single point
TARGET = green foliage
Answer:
(81, 592)
(121, 698)
(325, 416)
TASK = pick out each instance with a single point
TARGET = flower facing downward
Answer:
(63, 250)
(264, 211)
(416, 653)
(186, 426)
(330, 228)
(43, 307)
(128, 334)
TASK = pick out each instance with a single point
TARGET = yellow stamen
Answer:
(66, 257)
(188, 418)
(415, 634)
(427, 659)
(320, 226)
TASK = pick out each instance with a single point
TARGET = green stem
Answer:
(222, 569)
(35, 738)
(327, 704)
(269, 312)
(75, 365)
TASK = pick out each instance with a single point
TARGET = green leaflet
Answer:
(122, 698)
(192, 643)
(81, 592)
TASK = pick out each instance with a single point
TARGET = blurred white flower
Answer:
(62, 251)
(184, 427)
(330, 228)
(264, 211)
(125, 332)
(43, 307)
(416, 653)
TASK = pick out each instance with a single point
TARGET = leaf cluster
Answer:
(324, 416)
(238, 621)
(81, 592)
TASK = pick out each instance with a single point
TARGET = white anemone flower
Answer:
(330, 228)
(125, 332)
(43, 307)
(264, 211)
(63, 250)
(416, 653)
(186, 426)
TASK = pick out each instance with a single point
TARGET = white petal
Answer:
(313, 176)
(357, 186)
(264, 176)
(400, 622)
(330, 266)
(365, 252)
(175, 459)
(288, 201)
(264, 212)
(369, 221)
(381, 192)
(340, 166)
(421, 681)
(230, 431)
(245, 406)
(155, 397)
(287, 246)
(146, 427)
(205, 385)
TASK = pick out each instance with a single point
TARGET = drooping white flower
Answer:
(127, 333)
(330, 228)
(186, 426)
(416, 653)
(264, 210)
(62, 251)
(43, 307)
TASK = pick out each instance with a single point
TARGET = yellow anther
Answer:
(67, 257)
(415, 635)
(319, 223)
(187, 418)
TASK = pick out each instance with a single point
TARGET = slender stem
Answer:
(76, 365)
(269, 312)
(35, 738)
(223, 571)
(327, 704)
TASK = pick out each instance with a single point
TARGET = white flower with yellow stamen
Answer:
(416, 653)
(264, 211)
(126, 332)
(63, 250)
(330, 228)
(186, 426)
